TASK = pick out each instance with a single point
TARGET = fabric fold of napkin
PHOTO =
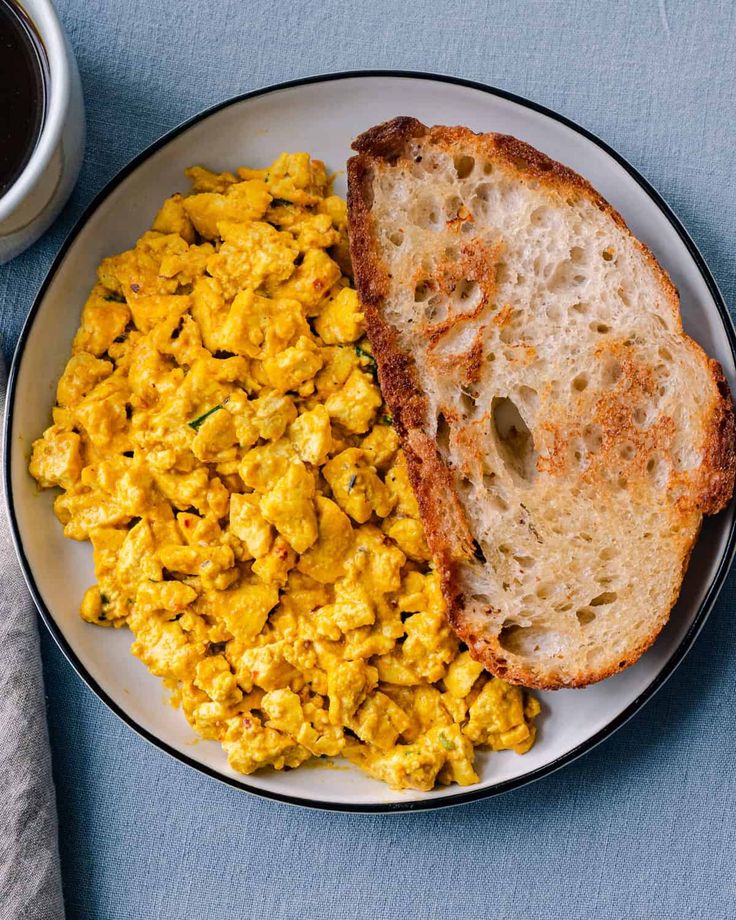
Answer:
(30, 878)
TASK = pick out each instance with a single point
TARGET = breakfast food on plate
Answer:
(563, 435)
(220, 438)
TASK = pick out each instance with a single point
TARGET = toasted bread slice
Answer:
(564, 436)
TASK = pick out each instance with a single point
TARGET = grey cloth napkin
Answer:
(30, 879)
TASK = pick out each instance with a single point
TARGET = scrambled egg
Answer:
(220, 439)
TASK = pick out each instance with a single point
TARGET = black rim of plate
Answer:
(430, 803)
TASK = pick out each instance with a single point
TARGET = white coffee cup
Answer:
(35, 198)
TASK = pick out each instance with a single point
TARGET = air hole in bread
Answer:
(515, 442)
(503, 274)
(640, 416)
(600, 328)
(665, 354)
(607, 255)
(577, 255)
(657, 469)
(585, 615)
(540, 217)
(443, 434)
(581, 308)
(397, 238)
(593, 438)
(421, 292)
(468, 403)
(509, 333)
(479, 201)
(544, 590)
(604, 599)
(627, 451)
(525, 562)
(452, 208)
(580, 382)
(521, 640)
(467, 290)
(464, 165)
(529, 397)
(425, 213)
(464, 486)
(436, 311)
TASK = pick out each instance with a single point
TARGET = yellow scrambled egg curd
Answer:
(220, 439)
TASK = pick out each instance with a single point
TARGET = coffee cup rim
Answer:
(44, 18)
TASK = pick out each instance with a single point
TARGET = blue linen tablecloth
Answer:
(643, 827)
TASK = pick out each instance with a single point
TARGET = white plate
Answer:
(322, 116)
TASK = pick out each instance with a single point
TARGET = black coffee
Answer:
(22, 92)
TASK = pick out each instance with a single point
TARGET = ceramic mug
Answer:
(39, 192)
